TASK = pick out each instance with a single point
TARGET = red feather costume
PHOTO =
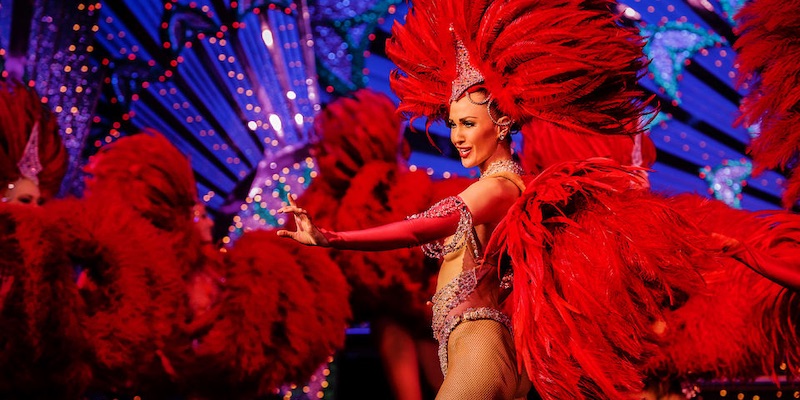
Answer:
(43, 347)
(751, 314)
(768, 53)
(270, 320)
(750, 311)
(132, 291)
(632, 279)
(608, 278)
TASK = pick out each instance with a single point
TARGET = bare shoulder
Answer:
(490, 191)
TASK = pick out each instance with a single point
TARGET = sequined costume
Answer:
(468, 319)
(599, 262)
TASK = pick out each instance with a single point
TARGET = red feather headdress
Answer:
(149, 173)
(21, 110)
(568, 62)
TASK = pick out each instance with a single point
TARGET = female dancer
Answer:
(469, 220)
(487, 68)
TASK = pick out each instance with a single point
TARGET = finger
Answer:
(292, 209)
(285, 233)
(291, 200)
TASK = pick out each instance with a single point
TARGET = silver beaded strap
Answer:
(471, 314)
(449, 297)
(463, 232)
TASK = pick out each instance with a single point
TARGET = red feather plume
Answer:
(594, 270)
(566, 62)
(280, 319)
(545, 144)
(150, 174)
(44, 351)
(768, 53)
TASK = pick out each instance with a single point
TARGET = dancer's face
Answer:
(22, 191)
(472, 132)
(203, 223)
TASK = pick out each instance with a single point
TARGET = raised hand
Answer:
(306, 232)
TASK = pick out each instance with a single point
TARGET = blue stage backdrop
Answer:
(236, 85)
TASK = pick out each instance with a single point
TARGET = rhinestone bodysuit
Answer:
(450, 303)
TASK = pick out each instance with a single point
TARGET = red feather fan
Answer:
(768, 53)
(545, 144)
(279, 319)
(742, 325)
(397, 282)
(133, 292)
(594, 270)
(353, 132)
(44, 350)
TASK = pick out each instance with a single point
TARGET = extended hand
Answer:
(306, 232)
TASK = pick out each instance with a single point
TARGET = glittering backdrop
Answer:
(233, 84)
(236, 84)
(52, 52)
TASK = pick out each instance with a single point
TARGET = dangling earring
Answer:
(502, 137)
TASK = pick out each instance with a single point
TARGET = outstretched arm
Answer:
(783, 271)
(407, 233)
(482, 202)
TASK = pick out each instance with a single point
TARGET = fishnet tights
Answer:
(481, 364)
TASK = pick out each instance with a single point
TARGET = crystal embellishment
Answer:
(502, 166)
(466, 73)
(29, 165)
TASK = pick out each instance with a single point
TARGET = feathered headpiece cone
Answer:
(30, 144)
(568, 62)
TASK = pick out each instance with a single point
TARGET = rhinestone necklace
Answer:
(502, 166)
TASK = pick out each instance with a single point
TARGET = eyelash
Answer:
(468, 124)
